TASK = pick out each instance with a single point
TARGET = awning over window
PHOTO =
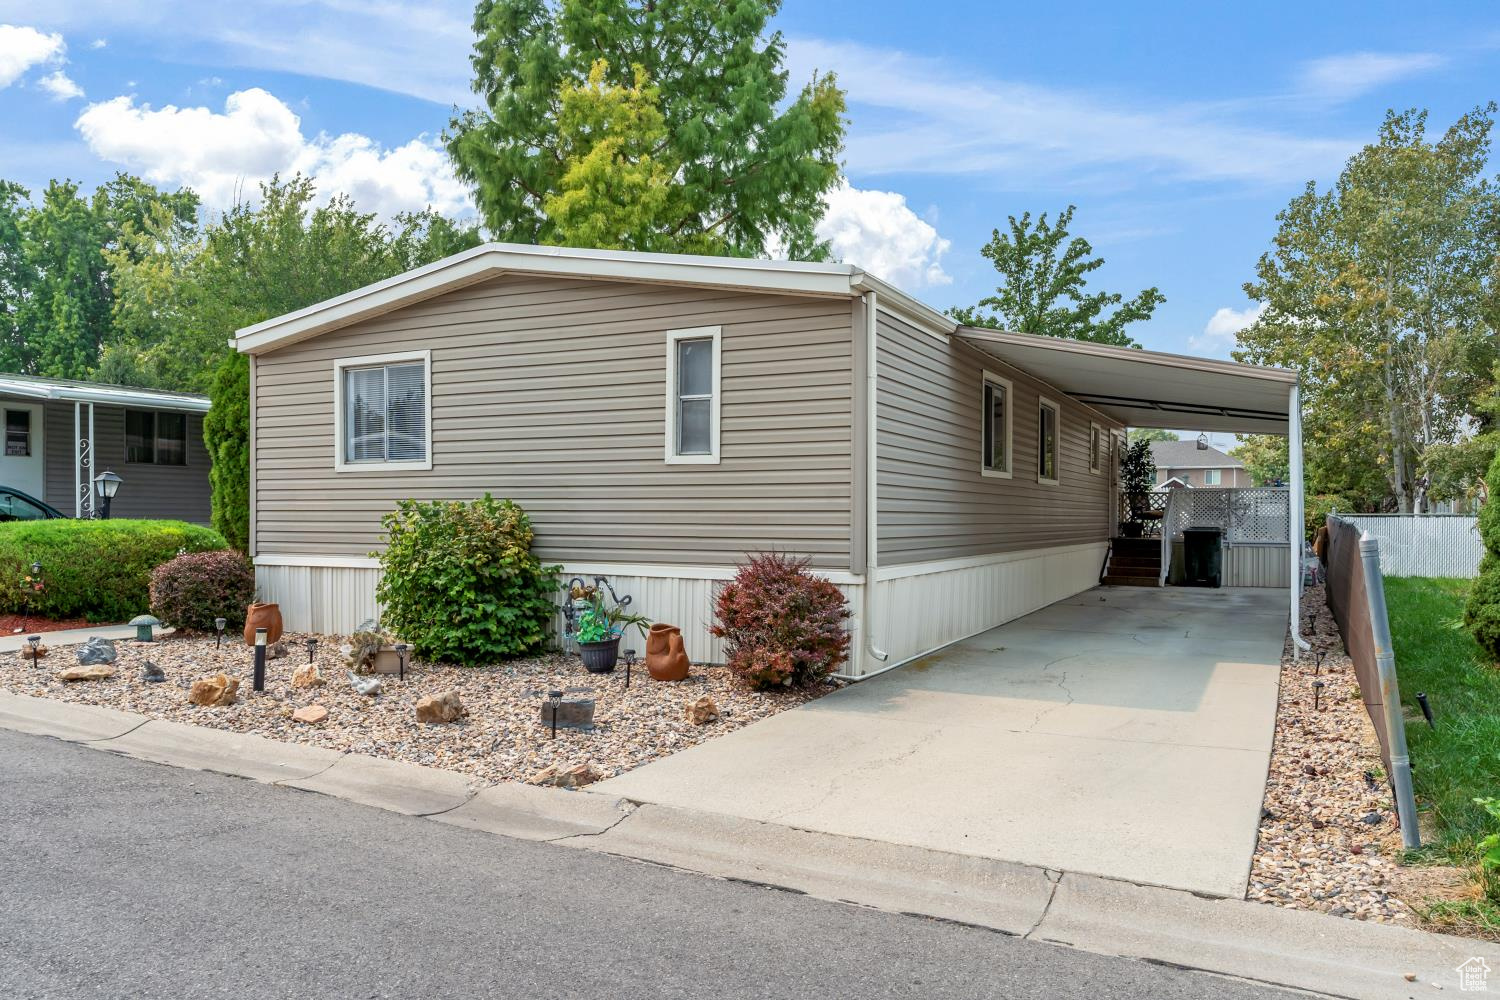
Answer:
(1149, 388)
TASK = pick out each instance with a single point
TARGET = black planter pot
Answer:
(600, 657)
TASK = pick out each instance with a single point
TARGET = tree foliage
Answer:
(1149, 434)
(1044, 291)
(1380, 292)
(645, 125)
(1265, 458)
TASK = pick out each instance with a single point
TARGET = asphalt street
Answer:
(125, 879)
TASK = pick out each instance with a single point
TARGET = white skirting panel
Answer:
(329, 600)
(919, 608)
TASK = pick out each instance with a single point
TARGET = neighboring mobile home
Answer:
(660, 416)
(60, 434)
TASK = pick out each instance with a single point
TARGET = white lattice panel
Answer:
(1259, 515)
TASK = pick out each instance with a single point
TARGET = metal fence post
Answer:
(1390, 693)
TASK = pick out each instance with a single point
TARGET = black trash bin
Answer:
(1202, 556)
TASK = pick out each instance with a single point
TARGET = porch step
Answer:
(1136, 546)
(1135, 562)
(1120, 580)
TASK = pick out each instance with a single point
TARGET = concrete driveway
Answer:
(1124, 732)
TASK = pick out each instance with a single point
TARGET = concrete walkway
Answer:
(1125, 732)
(72, 636)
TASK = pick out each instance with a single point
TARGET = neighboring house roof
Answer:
(1187, 455)
(31, 387)
(1134, 387)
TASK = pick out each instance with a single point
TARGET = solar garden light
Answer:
(260, 659)
(36, 569)
(1319, 664)
(1317, 695)
(219, 624)
(108, 484)
(35, 641)
(554, 699)
(629, 662)
(143, 625)
(311, 644)
(401, 660)
(1426, 709)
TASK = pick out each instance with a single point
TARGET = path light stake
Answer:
(1319, 665)
(554, 698)
(1426, 709)
(1317, 695)
(219, 624)
(312, 647)
(260, 659)
(34, 640)
(629, 662)
(401, 660)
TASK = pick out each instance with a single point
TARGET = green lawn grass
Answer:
(1458, 760)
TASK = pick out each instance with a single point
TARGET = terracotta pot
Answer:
(666, 659)
(266, 616)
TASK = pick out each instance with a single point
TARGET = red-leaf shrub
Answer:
(189, 592)
(781, 625)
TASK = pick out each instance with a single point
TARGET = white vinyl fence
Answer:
(1423, 544)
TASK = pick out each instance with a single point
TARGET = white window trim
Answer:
(1057, 431)
(1217, 472)
(1097, 459)
(670, 446)
(369, 360)
(1010, 423)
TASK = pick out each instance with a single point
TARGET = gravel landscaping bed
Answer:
(1328, 836)
(502, 738)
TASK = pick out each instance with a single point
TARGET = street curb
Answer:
(1301, 950)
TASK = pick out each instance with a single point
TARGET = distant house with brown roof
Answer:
(1183, 463)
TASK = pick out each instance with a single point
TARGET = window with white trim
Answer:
(1213, 477)
(995, 426)
(693, 396)
(155, 437)
(1048, 421)
(1097, 447)
(384, 412)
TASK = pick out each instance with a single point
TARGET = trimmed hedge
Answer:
(98, 570)
(189, 592)
(1482, 612)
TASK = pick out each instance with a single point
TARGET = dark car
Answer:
(18, 506)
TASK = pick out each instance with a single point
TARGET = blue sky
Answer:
(1179, 130)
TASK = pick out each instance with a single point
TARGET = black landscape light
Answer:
(36, 569)
(629, 662)
(312, 647)
(1317, 695)
(219, 624)
(554, 701)
(1319, 665)
(108, 484)
(401, 661)
(260, 660)
(1426, 709)
(35, 641)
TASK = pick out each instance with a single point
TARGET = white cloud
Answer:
(60, 86)
(876, 230)
(223, 155)
(1219, 332)
(1342, 77)
(98, 43)
(920, 115)
(21, 48)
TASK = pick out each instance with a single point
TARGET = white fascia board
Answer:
(494, 259)
(118, 396)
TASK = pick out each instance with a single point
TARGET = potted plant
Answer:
(599, 627)
(371, 651)
(1137, 478)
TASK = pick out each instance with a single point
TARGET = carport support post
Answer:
(1298, 513)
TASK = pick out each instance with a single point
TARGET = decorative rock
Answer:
(96, 672)
(214, 691)
(572, 713)
(276, 651)
(307, 676)
(701, 712)
(573, 776)
(151, 673)
(310, 714)
(97, 650)
(444, 707)
(39, 653)
(368, 686)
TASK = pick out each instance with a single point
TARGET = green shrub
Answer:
(226, 434)
(459, 583)
(189, 592)
(1317, 508)
(1482, 611)
(99, 570)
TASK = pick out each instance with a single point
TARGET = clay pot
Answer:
(666, 659)
(266, 616)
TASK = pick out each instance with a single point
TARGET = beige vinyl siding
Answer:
(934, 502)
(177, 492)
(551, 392)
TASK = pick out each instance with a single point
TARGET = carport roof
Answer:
(1149, 388)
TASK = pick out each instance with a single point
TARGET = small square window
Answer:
(155, 437)
(383, 407)
(1213, 477)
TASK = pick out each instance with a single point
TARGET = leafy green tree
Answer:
(1379, 292)
(695, 87)
(1265, 458)
(1149, 434)
(1045, 276)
